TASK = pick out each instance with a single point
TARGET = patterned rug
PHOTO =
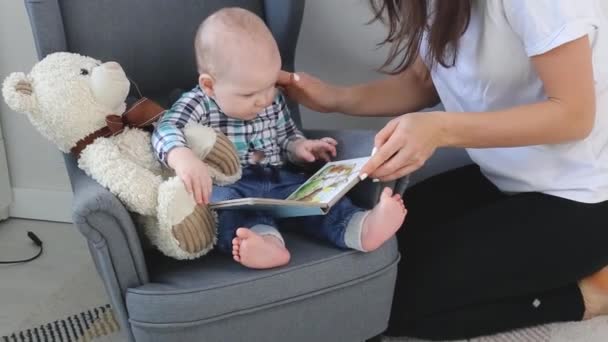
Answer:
(90, 325)
(66, 316)
(100, 325)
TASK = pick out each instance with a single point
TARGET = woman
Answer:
(518, 238)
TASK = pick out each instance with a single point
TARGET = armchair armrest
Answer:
(110, 232)
(357, 144)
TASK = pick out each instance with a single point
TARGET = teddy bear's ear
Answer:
(18, 93)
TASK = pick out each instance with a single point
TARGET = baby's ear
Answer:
(207, 83)
(18, 93)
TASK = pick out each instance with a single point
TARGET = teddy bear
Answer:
(73, 101)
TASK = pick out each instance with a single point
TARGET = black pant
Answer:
(476, 261)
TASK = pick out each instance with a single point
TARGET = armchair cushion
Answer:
(217, 287)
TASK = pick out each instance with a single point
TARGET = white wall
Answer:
(37, 174)
(336, 45)
(6, 193)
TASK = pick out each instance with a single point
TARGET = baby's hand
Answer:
(305, 150)
(193, 172)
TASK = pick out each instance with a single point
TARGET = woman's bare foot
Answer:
(258, 251)
(595, 293)
(383, 221)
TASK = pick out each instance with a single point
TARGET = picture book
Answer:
(316, 196)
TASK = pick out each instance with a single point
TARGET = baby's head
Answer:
(238, 62)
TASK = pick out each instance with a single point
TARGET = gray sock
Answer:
(354, 230)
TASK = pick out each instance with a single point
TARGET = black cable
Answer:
(35, 240)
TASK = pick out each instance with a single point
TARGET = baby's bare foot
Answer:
(595, 293)
(258, 251)
(383, 221)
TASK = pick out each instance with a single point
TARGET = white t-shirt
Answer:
(493, 71)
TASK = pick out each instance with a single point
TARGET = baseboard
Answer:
(37, 204)
(3, 213)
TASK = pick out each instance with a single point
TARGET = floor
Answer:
(64, 280)
(25, 287)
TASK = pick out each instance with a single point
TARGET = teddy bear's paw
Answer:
(185, 230)
(215, 149)
(17, 91)
(196, 233)
(223, 161)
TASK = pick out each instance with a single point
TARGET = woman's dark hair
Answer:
(443, 20)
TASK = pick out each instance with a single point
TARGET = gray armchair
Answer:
(324, 294)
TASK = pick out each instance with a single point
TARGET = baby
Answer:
(238, 63)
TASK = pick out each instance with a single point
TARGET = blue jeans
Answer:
(264, 182)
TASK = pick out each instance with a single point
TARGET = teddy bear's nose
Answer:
(112, 65)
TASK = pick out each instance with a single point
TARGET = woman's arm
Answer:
(409, 91)
(568, 113)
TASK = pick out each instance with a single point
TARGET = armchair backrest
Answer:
(151, 39)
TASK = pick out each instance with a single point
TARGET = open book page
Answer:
(330, 182)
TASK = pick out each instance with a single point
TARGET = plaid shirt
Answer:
(270, 132)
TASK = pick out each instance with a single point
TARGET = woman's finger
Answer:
(386, 133)
(385, 152)
(286, 78)
(400, 160)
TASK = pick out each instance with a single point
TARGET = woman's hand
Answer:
(404, 145)
(309, 91)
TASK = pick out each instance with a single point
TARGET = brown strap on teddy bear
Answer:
(142, 114)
